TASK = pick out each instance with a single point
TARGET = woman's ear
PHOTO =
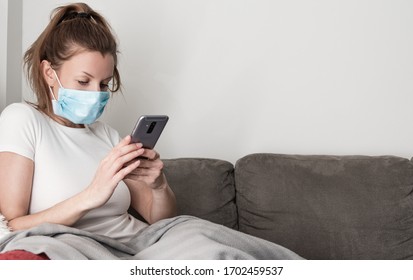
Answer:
(47, 72)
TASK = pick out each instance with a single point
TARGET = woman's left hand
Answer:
(149, 172)
(151, 195)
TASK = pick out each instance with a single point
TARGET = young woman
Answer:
(58, 164)
(69, 180)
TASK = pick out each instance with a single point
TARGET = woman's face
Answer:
(86, 70)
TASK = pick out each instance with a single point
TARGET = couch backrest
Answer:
(204, 188)
(328, 207)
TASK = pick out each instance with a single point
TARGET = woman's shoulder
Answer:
(20, 125)
(104, 129)
(18, 116)
(21, 110)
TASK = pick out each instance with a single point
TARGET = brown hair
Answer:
(71, 29)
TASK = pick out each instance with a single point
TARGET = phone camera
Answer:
(151, 127)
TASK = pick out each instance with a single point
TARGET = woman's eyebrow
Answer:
(88, 74)
(91, 76)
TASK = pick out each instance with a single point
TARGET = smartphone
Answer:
(148, 129)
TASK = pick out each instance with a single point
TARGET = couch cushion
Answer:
(328, 207)
(203, 188)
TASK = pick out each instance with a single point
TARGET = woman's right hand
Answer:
(112, 169)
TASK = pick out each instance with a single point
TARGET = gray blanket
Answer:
(182, 237)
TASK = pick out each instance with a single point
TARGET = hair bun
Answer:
(75, 15)
(83, 15)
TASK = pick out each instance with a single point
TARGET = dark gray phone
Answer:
(148, 128)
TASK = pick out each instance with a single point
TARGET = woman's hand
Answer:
(148, 172)
(118, 164)
(151, 195)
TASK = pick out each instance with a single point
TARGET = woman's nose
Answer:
(95, 87)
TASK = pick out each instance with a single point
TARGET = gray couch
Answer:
(321, 207)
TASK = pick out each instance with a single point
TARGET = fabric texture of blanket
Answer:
(4, 228)
(182, 237)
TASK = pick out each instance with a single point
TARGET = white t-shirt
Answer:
(65, 162)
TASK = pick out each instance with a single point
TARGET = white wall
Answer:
(14, 50)
(3, 52)
(10, 52)
(244, 76)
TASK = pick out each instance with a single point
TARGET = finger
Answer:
(120, 151)
(122, 173)
(127, 141)
(132, 161)
(126, 159)
(151, 164)
(124, 141)
(146, 175)
(151, 154)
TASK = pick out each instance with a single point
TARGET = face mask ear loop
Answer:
(51, 93)
(60, 84)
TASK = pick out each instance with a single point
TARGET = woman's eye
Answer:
(104, 87)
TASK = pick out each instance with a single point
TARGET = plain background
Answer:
(246, 76)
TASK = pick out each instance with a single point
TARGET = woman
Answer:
(69, 180)
(57, 163)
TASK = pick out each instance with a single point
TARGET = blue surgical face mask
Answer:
(79, 106)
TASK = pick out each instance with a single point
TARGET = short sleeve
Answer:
(18, 130)
(113, 134)
(105, 131)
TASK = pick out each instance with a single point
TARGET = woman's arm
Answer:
(151, 195)
(152, 204)
(16, 173)
(16, 176)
